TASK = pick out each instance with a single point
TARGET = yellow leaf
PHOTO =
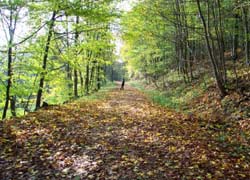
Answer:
(150, 173)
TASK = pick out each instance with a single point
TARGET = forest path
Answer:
(124, 136)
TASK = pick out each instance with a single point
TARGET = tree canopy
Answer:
(187, 37)
(53, 51)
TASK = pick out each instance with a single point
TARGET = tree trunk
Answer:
(9, 82)
(235, 44)
(68, 68)
(69, 79)
(98, 78)
(75, 83)
(247, 31)
(221, 43)
(12, 27)
(75, 69)
(112, 74)
(81, 81)
(87, 79)
(92, 73)
(13, 105)
(45, 58)
(218, 79)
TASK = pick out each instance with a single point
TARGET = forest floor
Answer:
(121, 136)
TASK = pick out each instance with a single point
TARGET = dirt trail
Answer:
(124, 136)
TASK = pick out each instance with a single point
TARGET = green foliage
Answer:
(144, 33)
(72, 47)
(176, 98)
(165, 36)
(100, 94)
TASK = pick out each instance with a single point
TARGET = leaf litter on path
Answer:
(124, 136)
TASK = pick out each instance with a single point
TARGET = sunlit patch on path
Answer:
(124, 136)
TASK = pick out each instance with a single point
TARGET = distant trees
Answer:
(163, 36)
(116, 71)
(61, 53)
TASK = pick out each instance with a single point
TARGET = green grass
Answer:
(19, 112)
(175, 98)
(99, 94)
(59, 99)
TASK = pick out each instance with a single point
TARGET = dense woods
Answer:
(191, 38)
(125, 89)
(53, 51)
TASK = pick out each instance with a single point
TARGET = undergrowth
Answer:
(176, 97)
(98, 94)
(56, 100)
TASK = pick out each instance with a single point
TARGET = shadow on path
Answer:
(124, 136)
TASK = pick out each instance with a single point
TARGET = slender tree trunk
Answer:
(45, 58)
(219, 82)
(186, 45)
(92, 73)
(13, 105)
(219, 40)
(98, 78)
(12, 27)
(182, 40)
(247, 32)
(112, 74)
(9, 81)
(235, 44)
(87, 79)
(69, 79)
(81, 81)
(75, 83)
(75, 69)
(221, 43)
(179, 39)
(68, 68)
